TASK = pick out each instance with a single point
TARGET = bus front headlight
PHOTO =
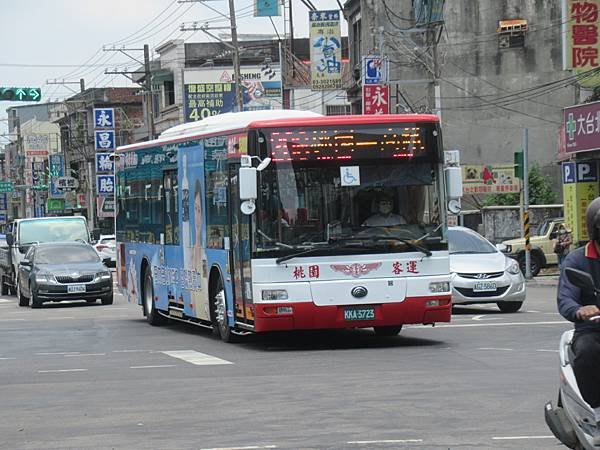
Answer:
(274, 294)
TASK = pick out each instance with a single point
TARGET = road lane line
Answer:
(543, 350)
(497, 348)
(62, 370)
(496, 324)
(4, 359)
(131, 351)
(12, 320)
(387, 441)
(85, 354)
(57, 353)
(514, 438)
(197, 358)
(152, 367)
(248, 447)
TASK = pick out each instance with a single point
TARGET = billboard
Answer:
(580, 187)
(376, 99)
(487, 179)
(582, 128)
(208, 92)
(325, 50)
(36, 145)
(583, 41)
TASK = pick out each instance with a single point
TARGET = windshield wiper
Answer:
(312, 249)
(414, 245)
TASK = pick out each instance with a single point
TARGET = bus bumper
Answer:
(307, 316)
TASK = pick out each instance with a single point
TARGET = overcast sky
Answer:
(45, 40)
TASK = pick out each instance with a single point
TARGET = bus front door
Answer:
(240, 253)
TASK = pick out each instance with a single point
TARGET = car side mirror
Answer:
(581, 279)
(553, 235)
(23, 249)
(25, 263)
(106, 261)
(10, 239)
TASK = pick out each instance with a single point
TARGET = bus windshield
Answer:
(330, 185)
(53, 230)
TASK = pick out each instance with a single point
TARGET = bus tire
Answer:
(152, 315)
(387, 331)
(219, 313)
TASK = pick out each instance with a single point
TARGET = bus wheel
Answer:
(152, 315)
(387, 331)
(219, 308)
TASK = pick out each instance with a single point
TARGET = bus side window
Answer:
(170, 199)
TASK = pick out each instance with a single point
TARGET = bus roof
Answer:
(269, 119)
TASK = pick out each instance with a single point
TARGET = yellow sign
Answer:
(583, 40)
(490, 179)
(570, 210)
(586, 192)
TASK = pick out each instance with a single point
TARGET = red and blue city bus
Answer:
(285, 220)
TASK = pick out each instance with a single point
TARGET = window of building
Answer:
(169, 87)
(511, 33)
(338, 110)
(356, 41)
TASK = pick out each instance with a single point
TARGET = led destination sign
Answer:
(369, 142)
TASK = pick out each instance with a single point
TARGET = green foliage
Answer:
(540, 192)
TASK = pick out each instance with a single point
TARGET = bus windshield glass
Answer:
(370, 183)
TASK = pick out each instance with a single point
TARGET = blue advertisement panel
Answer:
(104, 140)
(104, 164)
(105, 185)
(56, 164)
(266, 8)
(104, 118)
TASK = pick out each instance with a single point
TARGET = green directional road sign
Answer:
(6, 186)
(21, 94)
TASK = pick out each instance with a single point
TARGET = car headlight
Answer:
(512, 266)
(42, 277)
(104, 275)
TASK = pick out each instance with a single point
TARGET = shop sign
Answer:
(582, 128)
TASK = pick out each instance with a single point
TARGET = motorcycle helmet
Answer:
(592, 220)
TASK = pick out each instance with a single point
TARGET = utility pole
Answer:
(148, 91)
(236, 58)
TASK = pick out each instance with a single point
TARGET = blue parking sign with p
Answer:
(568, 172)
(104, 118)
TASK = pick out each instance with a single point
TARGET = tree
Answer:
(540, 192)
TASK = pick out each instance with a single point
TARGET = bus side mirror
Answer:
(10, 240)
(248, 183)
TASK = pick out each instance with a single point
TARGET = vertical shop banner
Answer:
(376, 99)
(580, 187)
(208, 92)
(104, 140)
(56, 164)
(104, 164)
(583, 40)
(105, 185)
(325, 50)
(266, 8)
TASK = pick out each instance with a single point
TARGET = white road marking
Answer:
(12, 320)
(57, 353)
(85, 354)
(543, 350)
(132, 351)
(497, 348)
(387, 441)
(4, 359)
(249, 447)
(484, 316)
(505, 324)
(5, 301)
(152, 367)
(62, 370)
(197, 358)
(510, 438)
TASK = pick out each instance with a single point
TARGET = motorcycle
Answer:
(572, 419)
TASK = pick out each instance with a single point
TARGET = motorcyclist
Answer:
(580, 307)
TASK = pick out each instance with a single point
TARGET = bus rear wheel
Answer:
(219, 309)
(152, 315)
(387, 331)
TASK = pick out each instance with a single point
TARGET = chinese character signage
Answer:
(489, 179)
(208, 92)
(103, 163)
(266, 8)
(325, 50)
(105, 206)
(104, 118)
(3, 202)
(583, 43)
(104, 140)
(55, 171)
(105, 185)
(582, 128)
(375, 70)
(376, 99)
(36, 145)
(580, 187)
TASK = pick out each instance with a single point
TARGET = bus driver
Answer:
(384, 216)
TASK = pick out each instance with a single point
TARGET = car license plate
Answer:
(76, 288)
(367, 313)
(484, 286)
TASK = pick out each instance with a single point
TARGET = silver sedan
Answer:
(482, 274)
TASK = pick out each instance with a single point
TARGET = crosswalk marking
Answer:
(2, 300)
(197, 358)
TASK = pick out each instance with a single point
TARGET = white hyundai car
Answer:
(483, 274)
(106, 247)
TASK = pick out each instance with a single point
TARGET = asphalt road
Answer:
(93, 377)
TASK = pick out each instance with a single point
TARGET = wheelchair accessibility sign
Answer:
(350, 175)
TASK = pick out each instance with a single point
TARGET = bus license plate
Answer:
(359, 313)
(484, 286)
(76, 288)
